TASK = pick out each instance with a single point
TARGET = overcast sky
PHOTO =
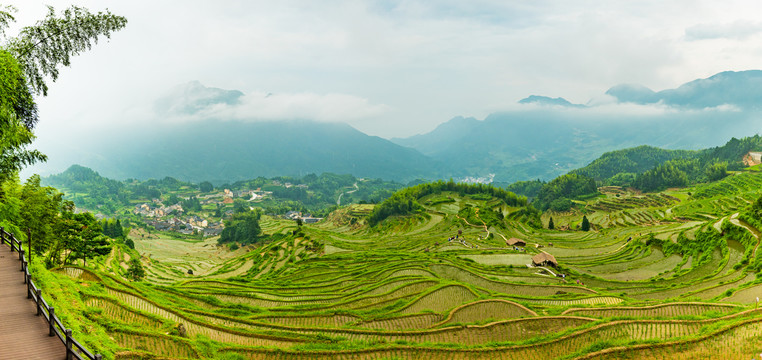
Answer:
(389, 68)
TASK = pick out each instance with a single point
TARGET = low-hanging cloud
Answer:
(195, 102)
(737, 30)
(320, 107)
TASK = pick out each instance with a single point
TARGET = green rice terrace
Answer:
(669, 274)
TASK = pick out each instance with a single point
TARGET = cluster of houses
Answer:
(306, 218)
(170, 218)
(176, 222)
(188, 226)
(157, 209)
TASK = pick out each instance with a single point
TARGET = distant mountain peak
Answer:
(548, 101)
(192, 97)
(632, 93)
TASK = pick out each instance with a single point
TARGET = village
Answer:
(175, 218)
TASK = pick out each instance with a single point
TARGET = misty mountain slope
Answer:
(739, 88)
(541, 141)
(441, 137)
(229, 151)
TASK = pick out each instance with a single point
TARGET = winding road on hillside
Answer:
(338, 201)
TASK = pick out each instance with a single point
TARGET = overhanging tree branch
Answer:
(41, 49)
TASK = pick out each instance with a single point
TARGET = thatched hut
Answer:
(516, 242)
(544, 259)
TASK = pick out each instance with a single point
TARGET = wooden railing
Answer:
(74, 350)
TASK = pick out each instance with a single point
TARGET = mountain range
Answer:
(541, 137)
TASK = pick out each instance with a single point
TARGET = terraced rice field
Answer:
(408, 291)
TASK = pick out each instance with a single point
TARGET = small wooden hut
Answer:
(516, 242)
(544, 259)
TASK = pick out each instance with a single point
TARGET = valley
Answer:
(669, 274)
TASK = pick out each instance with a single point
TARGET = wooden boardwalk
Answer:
(23, 334)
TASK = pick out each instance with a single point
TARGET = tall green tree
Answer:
(40, 207)
(585, 224)
(551, 225)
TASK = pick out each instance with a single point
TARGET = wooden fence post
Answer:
(39, 303)
(2, 235)
(29, 243)
(52, 312)
(21, 257)
(69, 344)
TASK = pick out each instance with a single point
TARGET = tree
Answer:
(205, 186)
(192, 204)
(18, 114)
(551, 225)
(135, 270)
(242, 228)
(240, 206)
(78, 236)
(585, 224)
(39, 211)
(716, 171)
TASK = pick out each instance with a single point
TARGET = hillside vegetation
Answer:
(664, 274)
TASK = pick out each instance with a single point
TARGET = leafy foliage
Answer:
(50, 43)
(40, 208)
(79, 236)
(135, 270)
(242, 228)
(562, 188)
(673, 173)
(405, 201)
(18, 114)
(632, 160)
(530, 188)
(90, 190)
(112, 228)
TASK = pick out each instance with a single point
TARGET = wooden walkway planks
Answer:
(23, 334)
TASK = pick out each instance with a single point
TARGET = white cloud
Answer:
(261, 106)
(737, 30)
